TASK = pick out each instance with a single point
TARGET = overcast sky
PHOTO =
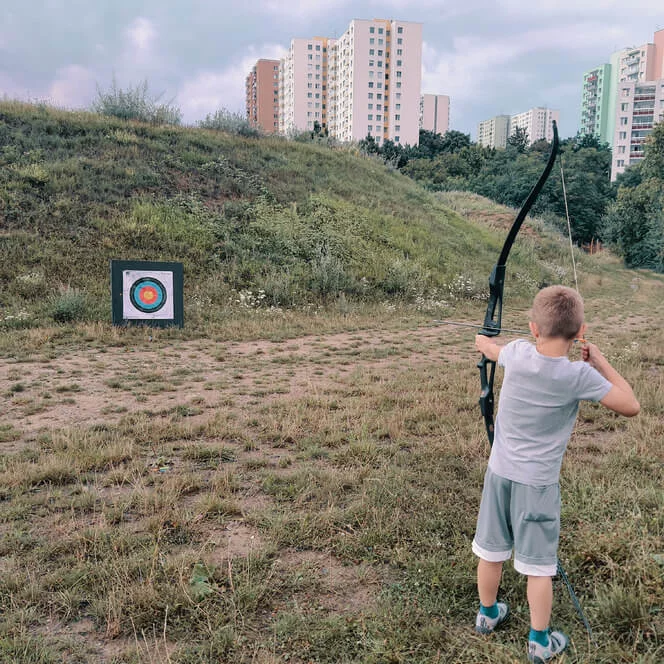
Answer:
(491, 57)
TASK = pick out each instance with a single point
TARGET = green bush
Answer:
(68, 306)
(135, 104)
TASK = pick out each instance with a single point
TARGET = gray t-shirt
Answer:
(538, 404)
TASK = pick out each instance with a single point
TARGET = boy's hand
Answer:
(488, 347)
(620, 398)
(593, 356)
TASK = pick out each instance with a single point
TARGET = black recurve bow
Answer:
(494, 310)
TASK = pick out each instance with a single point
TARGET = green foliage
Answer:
(634, 224)
(233, 123)
(135, 103)
(68, 306)
(653, 161)
(519, 140)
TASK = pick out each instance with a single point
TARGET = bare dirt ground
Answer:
(88, 387)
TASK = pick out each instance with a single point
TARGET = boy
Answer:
(520, 505)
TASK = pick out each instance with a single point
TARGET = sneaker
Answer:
(539, 654)
(486, 625)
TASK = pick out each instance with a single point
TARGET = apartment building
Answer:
(493, 133)
(596, 103)
(303, 85)
(640, 106)
(537, 122)
(599, 104)
(435, 113)
(366, 82)
(262, 96)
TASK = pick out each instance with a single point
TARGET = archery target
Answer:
(147, 295)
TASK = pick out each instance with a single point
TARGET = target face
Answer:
(147, 293)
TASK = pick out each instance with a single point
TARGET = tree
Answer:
(634, 225)
(653, 161)
(135, 104)
(519, 139)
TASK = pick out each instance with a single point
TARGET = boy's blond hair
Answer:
(558, 312)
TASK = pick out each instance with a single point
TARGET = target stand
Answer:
(147, 293)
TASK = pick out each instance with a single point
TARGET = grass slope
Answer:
(299, 223)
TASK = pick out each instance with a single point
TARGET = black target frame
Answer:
(118, 268)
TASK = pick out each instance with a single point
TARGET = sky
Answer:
(490, 57)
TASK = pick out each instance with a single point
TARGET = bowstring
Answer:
(569, 223)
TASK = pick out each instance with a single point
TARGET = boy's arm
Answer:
(620, 398)
(488, 347)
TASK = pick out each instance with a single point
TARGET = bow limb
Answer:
(494, 310)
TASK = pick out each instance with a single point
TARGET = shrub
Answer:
(233, 123)
(68, 306)
(135, 104)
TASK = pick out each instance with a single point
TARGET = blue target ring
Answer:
(147, 295)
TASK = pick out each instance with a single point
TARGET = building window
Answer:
(371, 107)
(372, 30)
(397, 128)
(311, 57)
(380, 31)
(371, 63)
(371, 84)
(400, 30)
(318, 47)
(398, 74)
(399, 51)
(397, 117)
(370, 116)
(398, 63)
(379, 118)
(371, 95)
(371, 51)
(380, 63)
(380, 42)
(396, 139)
(372, 40)
(310, 47)
(398, 84)
(398, 107)
(380, 53)
(399, 41)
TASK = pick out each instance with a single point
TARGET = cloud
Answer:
(73, 87)
(301, 10)
(141, 34)
(211, 90)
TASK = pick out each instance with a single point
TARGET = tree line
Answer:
(626, 214)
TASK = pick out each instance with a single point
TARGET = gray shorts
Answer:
(519, 516)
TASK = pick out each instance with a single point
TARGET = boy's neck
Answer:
(553, 346)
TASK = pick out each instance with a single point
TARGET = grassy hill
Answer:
(293, 224)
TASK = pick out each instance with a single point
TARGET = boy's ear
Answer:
(533, 329)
